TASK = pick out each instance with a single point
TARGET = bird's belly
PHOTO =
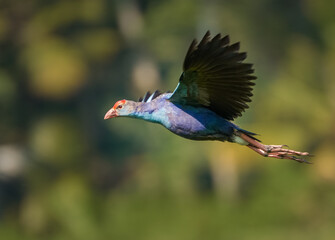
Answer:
(199, 135)
(200, 128)
(202, 137)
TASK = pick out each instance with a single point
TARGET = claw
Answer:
(300, 160)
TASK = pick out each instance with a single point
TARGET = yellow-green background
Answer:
(65, 173)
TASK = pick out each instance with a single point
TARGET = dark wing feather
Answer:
(149, 97)
(215, 77)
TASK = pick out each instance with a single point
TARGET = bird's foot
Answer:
(275, 151)
(278, 151)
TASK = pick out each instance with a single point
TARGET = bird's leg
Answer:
(275, 151)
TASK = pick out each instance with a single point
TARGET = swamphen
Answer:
(214, 88)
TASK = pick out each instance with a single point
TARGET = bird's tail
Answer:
(249, 134)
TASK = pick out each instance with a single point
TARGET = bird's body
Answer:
(196, 123)
(213, 90)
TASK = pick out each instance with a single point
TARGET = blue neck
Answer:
(145, 111)
(151, 112)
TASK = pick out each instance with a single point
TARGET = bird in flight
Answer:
(213, 90)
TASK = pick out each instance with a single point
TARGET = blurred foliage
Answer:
(67, 174)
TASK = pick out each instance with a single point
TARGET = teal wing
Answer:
(215, 77)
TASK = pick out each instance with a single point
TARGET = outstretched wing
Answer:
(215, 77)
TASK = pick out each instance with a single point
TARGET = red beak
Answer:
(110, 114)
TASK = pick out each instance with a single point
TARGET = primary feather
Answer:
(215, 77)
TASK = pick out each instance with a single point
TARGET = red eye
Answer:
(119, 107)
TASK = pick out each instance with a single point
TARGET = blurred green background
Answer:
(65, 173)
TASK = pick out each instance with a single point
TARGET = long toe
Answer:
(281, 149)
(283, 155)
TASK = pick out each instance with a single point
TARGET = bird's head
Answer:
(121, 108)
